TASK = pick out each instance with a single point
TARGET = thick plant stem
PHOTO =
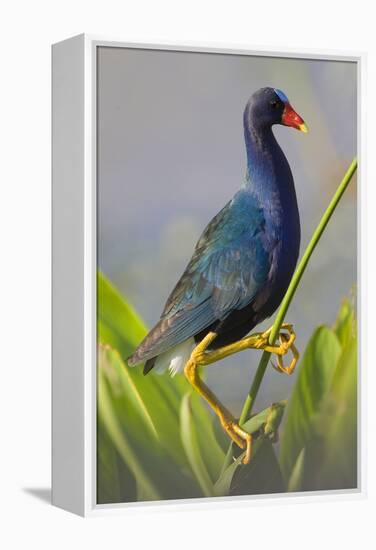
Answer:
(251, 397)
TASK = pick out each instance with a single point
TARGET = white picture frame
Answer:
(74, 274)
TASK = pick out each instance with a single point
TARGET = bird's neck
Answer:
(265, 159)
(268, 172)
(269, 178)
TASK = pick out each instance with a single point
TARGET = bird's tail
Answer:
(173, 359)
(149, 348)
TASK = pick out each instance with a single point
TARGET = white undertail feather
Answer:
(175, 358)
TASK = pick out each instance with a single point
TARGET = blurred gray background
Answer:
(171, 154)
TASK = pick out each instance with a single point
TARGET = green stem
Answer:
(251, 397)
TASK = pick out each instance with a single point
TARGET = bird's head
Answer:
(269, 106)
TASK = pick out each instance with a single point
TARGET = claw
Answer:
(242, 438)
(261, 342)
(286, 343)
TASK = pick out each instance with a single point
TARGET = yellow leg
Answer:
(257, 340)
(201, 356)
(237, 434)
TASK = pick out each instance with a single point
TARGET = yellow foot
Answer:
(286, 339)
(280, 367)
(258, 340)
(242, 438)
(288, 334)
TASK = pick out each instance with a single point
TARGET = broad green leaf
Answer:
(313, 380)
(333, 451)
(121, 439)
(192, 447)
(120, 328)
(123, 386)
(223, 484)
(126, 418)
(115, 482)
(262, 475)
(118, 323)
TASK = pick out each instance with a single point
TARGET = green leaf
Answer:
(115, 482)
(121, 440)
(192, 447)
(344, 327)
(269, 419)
(296, 479)
(333, 451)
(330, 438)
(123, 385)
(223, 484)
(132, 429)
(118, 323)
(120, 329)
(314, 378)
(262, 475)
(212, 453)
(220, 435)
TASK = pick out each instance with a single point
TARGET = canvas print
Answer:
(227, 275)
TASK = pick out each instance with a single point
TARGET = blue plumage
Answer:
(244, 260)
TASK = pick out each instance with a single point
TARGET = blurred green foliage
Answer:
(156, 439)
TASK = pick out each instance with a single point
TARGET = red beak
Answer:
(291, 118)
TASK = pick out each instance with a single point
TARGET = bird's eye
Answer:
(274, 104)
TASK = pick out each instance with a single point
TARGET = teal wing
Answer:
(230, 264)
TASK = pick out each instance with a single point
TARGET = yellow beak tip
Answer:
(303, 128)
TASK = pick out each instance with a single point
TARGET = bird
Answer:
(240, 268)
